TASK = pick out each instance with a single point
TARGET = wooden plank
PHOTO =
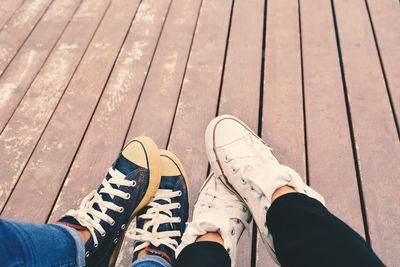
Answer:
(385, 16)
(199, 97)
(111, 120)
(7, 10)
(241, 82)
(376, 140)
(112, 117)
(80, 181)
(156, 109)
(32, 55)
(23, 131)
(45, 172)
(202, 59)
(282, 122)
(328, 134)
(18, 28)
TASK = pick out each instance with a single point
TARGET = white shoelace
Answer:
(245, 156)
(154, 218)
(86, 208)
(229, 204)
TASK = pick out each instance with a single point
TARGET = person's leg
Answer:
(305, 233)
(150, 261)
(203, 254)
(25, 244)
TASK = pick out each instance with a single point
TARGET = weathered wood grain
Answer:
(109, 125)
(107, 130)
(19, 75)
(23, 131)
(283, 124)
(199, 97)
(80, 185)
(240, 93)
(45, 172)
(18, 28)
(110, 122)
(156, 109)
(282, 121)
(385, 16)
(61, 102)
(376, 139)
(330, 155)
(7, 10)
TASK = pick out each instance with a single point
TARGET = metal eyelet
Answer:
(265, 209)
(112, 223)
(96, 245)
(244, 209)
(121, 209)
(115, 240)
(123, 226)
(305, 191)
(179, 205)
(233, 231)
(237, 221)
(234, 171)
(87, 254)
(242, 181)
(128, 196)
(179, 219)
(228, 250)
(179, 193)
(133, 183)
(103, 234)
(226, 159)
(245, 198)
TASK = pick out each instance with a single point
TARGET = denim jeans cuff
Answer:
(150, 260)
(80, 246)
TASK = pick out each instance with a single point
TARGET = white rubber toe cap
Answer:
(224, 130)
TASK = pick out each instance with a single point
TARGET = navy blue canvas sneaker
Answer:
(160, 225)
(129, 186)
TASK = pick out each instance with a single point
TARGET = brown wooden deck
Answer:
(319, 81)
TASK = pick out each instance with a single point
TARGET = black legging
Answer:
(305, 234)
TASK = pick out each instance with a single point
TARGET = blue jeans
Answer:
(150, 261)
(27, 244)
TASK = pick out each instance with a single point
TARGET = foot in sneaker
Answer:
(129, 186)
(217, 209)
(160, 224)
(249, 168)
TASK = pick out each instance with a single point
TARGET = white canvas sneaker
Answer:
(217, 209)
(246, 164)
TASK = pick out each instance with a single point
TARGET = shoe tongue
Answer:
(124, 166)
(162, 250)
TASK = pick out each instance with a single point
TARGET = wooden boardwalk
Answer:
(319, 81)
